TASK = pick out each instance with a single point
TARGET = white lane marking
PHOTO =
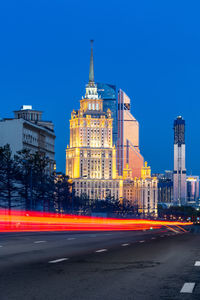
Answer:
(197, 264)
(188, 287)
(38, 242)
(124, 245)
(70, 239)
(141, 241)
(153, 238)
(101, 250)
(58, 260)
(1, 246)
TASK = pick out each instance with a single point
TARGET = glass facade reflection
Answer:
(107, 92)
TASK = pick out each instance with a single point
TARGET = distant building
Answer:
(169, 174)
(141, 192)
(165, 187)
(128, 151)
(192, 190)
(179, 178)
(159, 175)
(108, 93)
(165, 191)
(27, 130)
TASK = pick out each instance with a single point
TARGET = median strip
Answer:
(188, 287)
(58, 260)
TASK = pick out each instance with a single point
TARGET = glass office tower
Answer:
(128, 151)
(107, 92)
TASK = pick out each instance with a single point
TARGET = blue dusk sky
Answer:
(150, 49)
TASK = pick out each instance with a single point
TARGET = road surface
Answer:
(153, 264)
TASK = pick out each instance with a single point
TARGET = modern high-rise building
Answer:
(91, 156)
(108, 93)
(27, 130)
(179, 178)
(192, 190)
(128, 151)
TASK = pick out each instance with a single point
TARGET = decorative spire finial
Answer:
(91, 73)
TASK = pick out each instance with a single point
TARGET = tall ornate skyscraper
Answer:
(91, 157)
(179, 179)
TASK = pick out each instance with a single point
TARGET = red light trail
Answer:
(21, 221)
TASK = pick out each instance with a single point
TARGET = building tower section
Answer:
(179, 178)
(141, 192)
(128, 151)
(91, 156)
(108, 93)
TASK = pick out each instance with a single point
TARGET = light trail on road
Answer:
(23, 221)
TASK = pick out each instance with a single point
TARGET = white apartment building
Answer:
(27, 131)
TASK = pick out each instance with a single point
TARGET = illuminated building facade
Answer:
(179, 178)
(108, 93)
(141, 192)
(128, 138)
(192, 190)
(91, 156)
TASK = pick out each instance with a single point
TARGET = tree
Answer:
(183, 212)
(24, 161)
(42, 182)
(37, 185)
(62, 193)
(9, 177)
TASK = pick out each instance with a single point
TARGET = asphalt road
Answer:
(152, 265)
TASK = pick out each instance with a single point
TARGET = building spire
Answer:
(91, 73)
(91, 87)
